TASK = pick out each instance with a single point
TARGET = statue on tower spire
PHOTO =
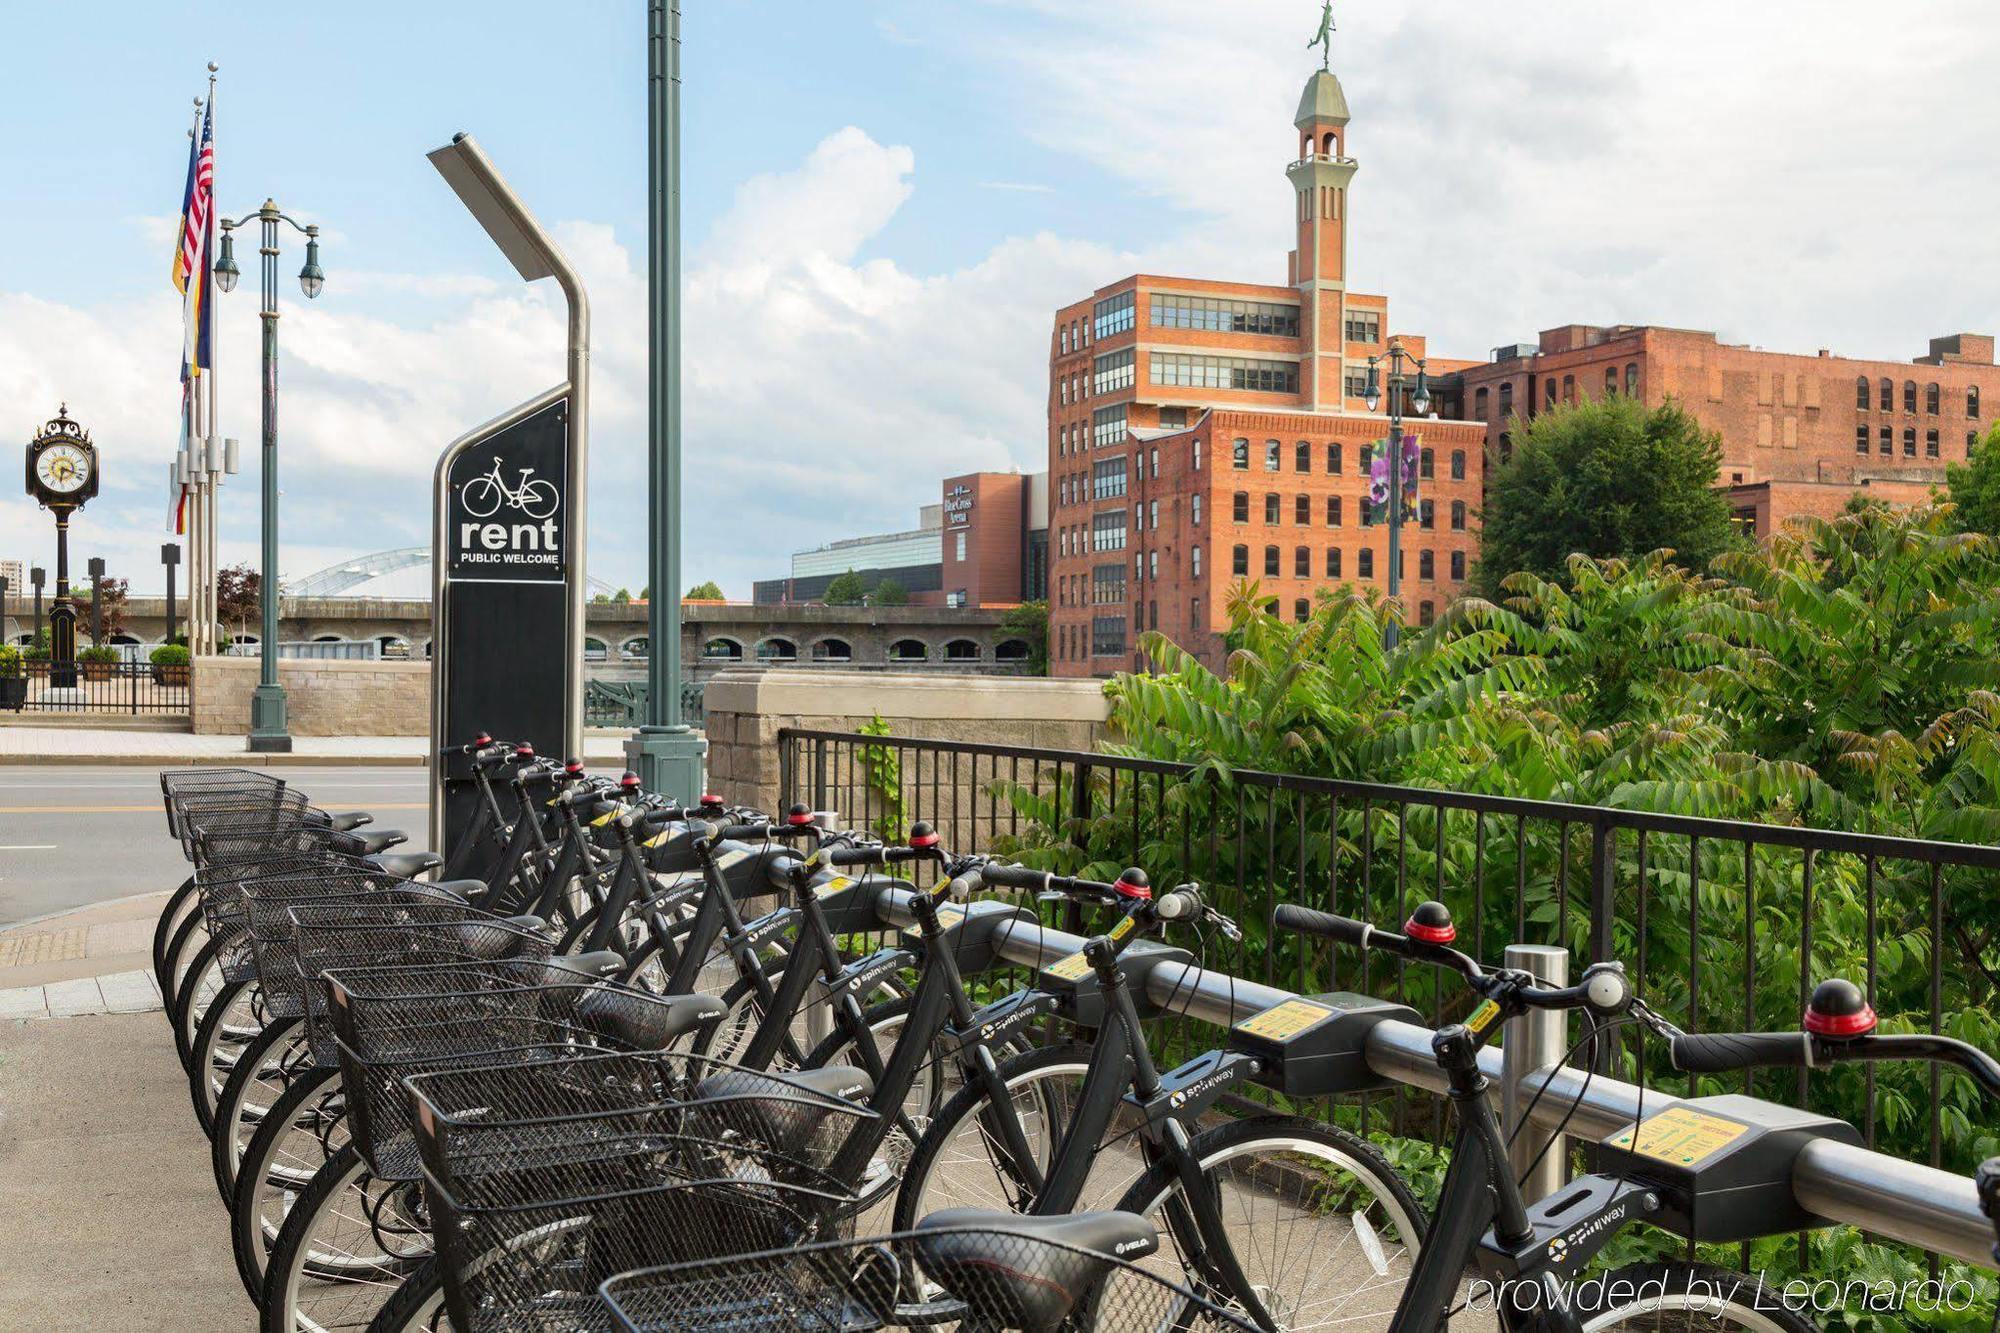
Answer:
(1323, 39)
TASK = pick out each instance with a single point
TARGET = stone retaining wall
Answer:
(323, 698)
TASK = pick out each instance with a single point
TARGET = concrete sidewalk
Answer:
(25, 744)
(94, 960)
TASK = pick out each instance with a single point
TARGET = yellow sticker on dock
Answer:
(832, 886)
(1073, 968)
(1284, 1020)
(1681, 1135)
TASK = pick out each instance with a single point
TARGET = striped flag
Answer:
(191, 257)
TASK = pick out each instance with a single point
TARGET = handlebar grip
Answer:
(858, 856)
(667, 814)
(1014, 877)
(744, 832)
(1721, 1052)
(1178, 905)
(589, 795)
(1339, 929)
(490, 755)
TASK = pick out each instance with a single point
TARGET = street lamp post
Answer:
(96, 568)
(268, 731)
(38, 577)
(1420, 401)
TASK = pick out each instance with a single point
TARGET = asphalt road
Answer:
(74, 836)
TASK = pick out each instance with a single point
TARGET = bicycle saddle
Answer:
(646, 1022)
(349, 820)
(595, 966)
(1029, 1273)
(406, 865)
(380, 840)
(782, 1113)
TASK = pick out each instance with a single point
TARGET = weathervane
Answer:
(1323, 39)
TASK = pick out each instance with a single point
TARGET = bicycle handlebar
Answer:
(875, 856)
(1721, 1052)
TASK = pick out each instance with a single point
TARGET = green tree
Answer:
(1974, 486)
(1613, 479)
(891, 593)
(709, 591)
(845, 590)
(239, 592)
(1030, 621)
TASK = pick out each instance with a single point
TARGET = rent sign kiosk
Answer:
(508, 538)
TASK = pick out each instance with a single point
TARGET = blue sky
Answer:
(885, 201)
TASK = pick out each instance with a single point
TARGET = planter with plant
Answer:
(13, 678)
(99, 661)
(170, 664)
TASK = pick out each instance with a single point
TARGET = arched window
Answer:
(1240, 455)
(1426, 614)
(777, 650)
(1909, 395)
(1302, 563)
(908, 650)
(328, 638)
(1909, 441)
(392, 645)
(1479, 402)
(725, 650)
(1364, 562)
(1302, 510)
(1427, 564)
(1506, 399)
(1012, 650)
(1301, 610)
(1239, 508)
(1333, 511)
(1426, 464)
(1239, 560)
(1972, 401)
(1569, 388)
(1302, 456)
(1549, 391)
(1610, 380)
(1886, 394)
(1631, 379)
(1458, 516)
(1194, 561)
(1861, 393)
(1271, 450)
(1333, 562)
(1861, 438)
(1458, 566)
(1333, 460)
(635, 647)
(1932, 398)
(1271, 561)
(1194, 509)
(1271, 507)
(1458, 465)
(833, 650)
(961, 650)
(594, 650)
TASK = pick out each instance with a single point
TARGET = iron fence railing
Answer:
(127, 687)
(1725, 925)
(622, 703)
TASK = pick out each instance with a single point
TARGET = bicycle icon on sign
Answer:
(483, 495)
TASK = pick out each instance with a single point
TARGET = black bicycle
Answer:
(1712, 1169)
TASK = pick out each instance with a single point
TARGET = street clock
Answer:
(62, 465)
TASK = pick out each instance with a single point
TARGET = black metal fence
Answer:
(1725, 925)
(128, 688)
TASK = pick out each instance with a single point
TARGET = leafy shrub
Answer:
(99, 653)
(170, 655)
(10, 660)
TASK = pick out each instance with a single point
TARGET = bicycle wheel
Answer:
(886, 1022)
(262, 1071)
(231, 1023)
(481, 497)
(346, 1245)
(417, 1306)
(958, 1162)
(303, 1130)
(200, 987)
(540, 499)
(1684, 1296)
(188, 937)
(173, 916)
(1325, 1231)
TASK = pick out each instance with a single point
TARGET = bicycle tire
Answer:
(1293, 1136)
(251, 1233)
(1675, 1276)
(191, 1003)
(417, 1306)
(364, 1282)
(205, 1080)
(1068, 1061)
(231, 1127)
(187, 940)
(172, 916)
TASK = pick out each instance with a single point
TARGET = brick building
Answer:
(1201, 431)
(1800, 434)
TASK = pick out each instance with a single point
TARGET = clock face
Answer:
(63, 468)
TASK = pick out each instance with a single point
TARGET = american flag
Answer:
(191, 255)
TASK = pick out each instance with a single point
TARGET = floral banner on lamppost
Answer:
(1378, 478)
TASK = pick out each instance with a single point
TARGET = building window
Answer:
(1107, 426)
(1115, 314)
(1113, 371)
(1197, 452)
(1426, 465)
(1631, 379)
(1887, 441)
(1427, 564)
(1153, 565)
(1191, 371)
(1107, 479)
(958, 545)
(1217, 314)
(1886, 392)
(1361, 459)
(1194, 561)
(1364, 326)
(1155, 452)
(1479, 402)
(1909, 395)
(1107, 531)
(1931, 443)
(1506, 399)
(1302, 563)
(1302, 510)
(1458, 516)
(1239, 509)
(1364, 562)
(1271, 561)
(1062, 338)
(1153, 514)
(1909, 441)
(1861, 438)
(1333, 562)
(1107, 636)
(1569, 388)
(1458, 465)
(1549, 392)
(1239, 560)
(1302, 457)
(1458, 566)
(1426, 614)
(1932, 398)
(1971, 442)
(1301, 610)
(1271, 509)
(1426, 513)
(1194, 510)
(1271, 451)
(1367, 512)
(1240, 456)
(1356, 384)
(1861, 395)
(1610, 381)
(1333, 511)
(1972, 401)
(1107, 585)
(1333, 460)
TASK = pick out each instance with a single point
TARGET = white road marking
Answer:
(29, 847)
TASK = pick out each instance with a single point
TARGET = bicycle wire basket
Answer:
(219, 884)
(957, 1277)
(305, 880)
(412, 925)
(545, 1179)
(225, 788)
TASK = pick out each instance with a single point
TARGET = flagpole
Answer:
(190, 400)
(212, 440)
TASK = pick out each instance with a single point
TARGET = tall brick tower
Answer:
(1320, 178)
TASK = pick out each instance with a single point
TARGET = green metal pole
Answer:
(269, 733)
(665, 753)
(1394, 385)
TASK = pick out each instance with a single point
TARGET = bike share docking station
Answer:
(507, 542)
